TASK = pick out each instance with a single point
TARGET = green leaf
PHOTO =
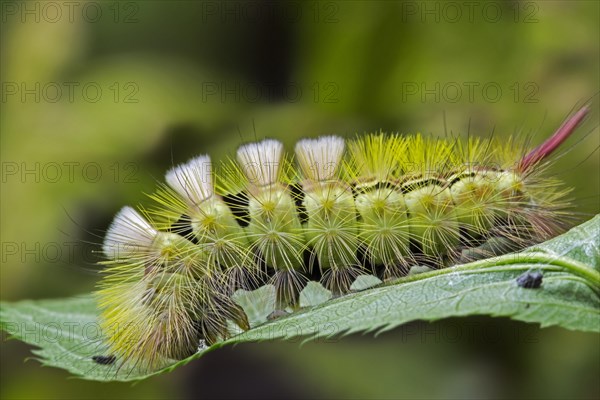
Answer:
(569, 296)
(313, 294)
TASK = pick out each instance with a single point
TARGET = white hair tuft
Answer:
(320, 158)
(192, 180)
(261, 161)
(128, 235)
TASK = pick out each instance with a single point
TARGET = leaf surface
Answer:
(67, 334)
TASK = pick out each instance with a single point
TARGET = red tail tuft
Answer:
(548, 147)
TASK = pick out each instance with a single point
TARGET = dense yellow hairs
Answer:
(334, 210)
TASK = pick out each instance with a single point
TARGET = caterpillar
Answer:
(335, 210)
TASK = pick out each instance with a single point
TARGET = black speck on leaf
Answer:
(530, 280)
(104, 360)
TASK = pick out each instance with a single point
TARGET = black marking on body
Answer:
(366, 187)
(238, 204)
(457, 178)
(311, 266)
(412, 185)
(297, 193)
(183, 227)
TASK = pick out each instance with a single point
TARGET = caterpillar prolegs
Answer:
(337, 209)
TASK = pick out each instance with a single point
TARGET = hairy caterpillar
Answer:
(377, 204)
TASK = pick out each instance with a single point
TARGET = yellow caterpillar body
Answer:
(377, 204)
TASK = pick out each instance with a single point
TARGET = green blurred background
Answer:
(100, 98)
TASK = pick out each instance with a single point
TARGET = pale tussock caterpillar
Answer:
(377, 204)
